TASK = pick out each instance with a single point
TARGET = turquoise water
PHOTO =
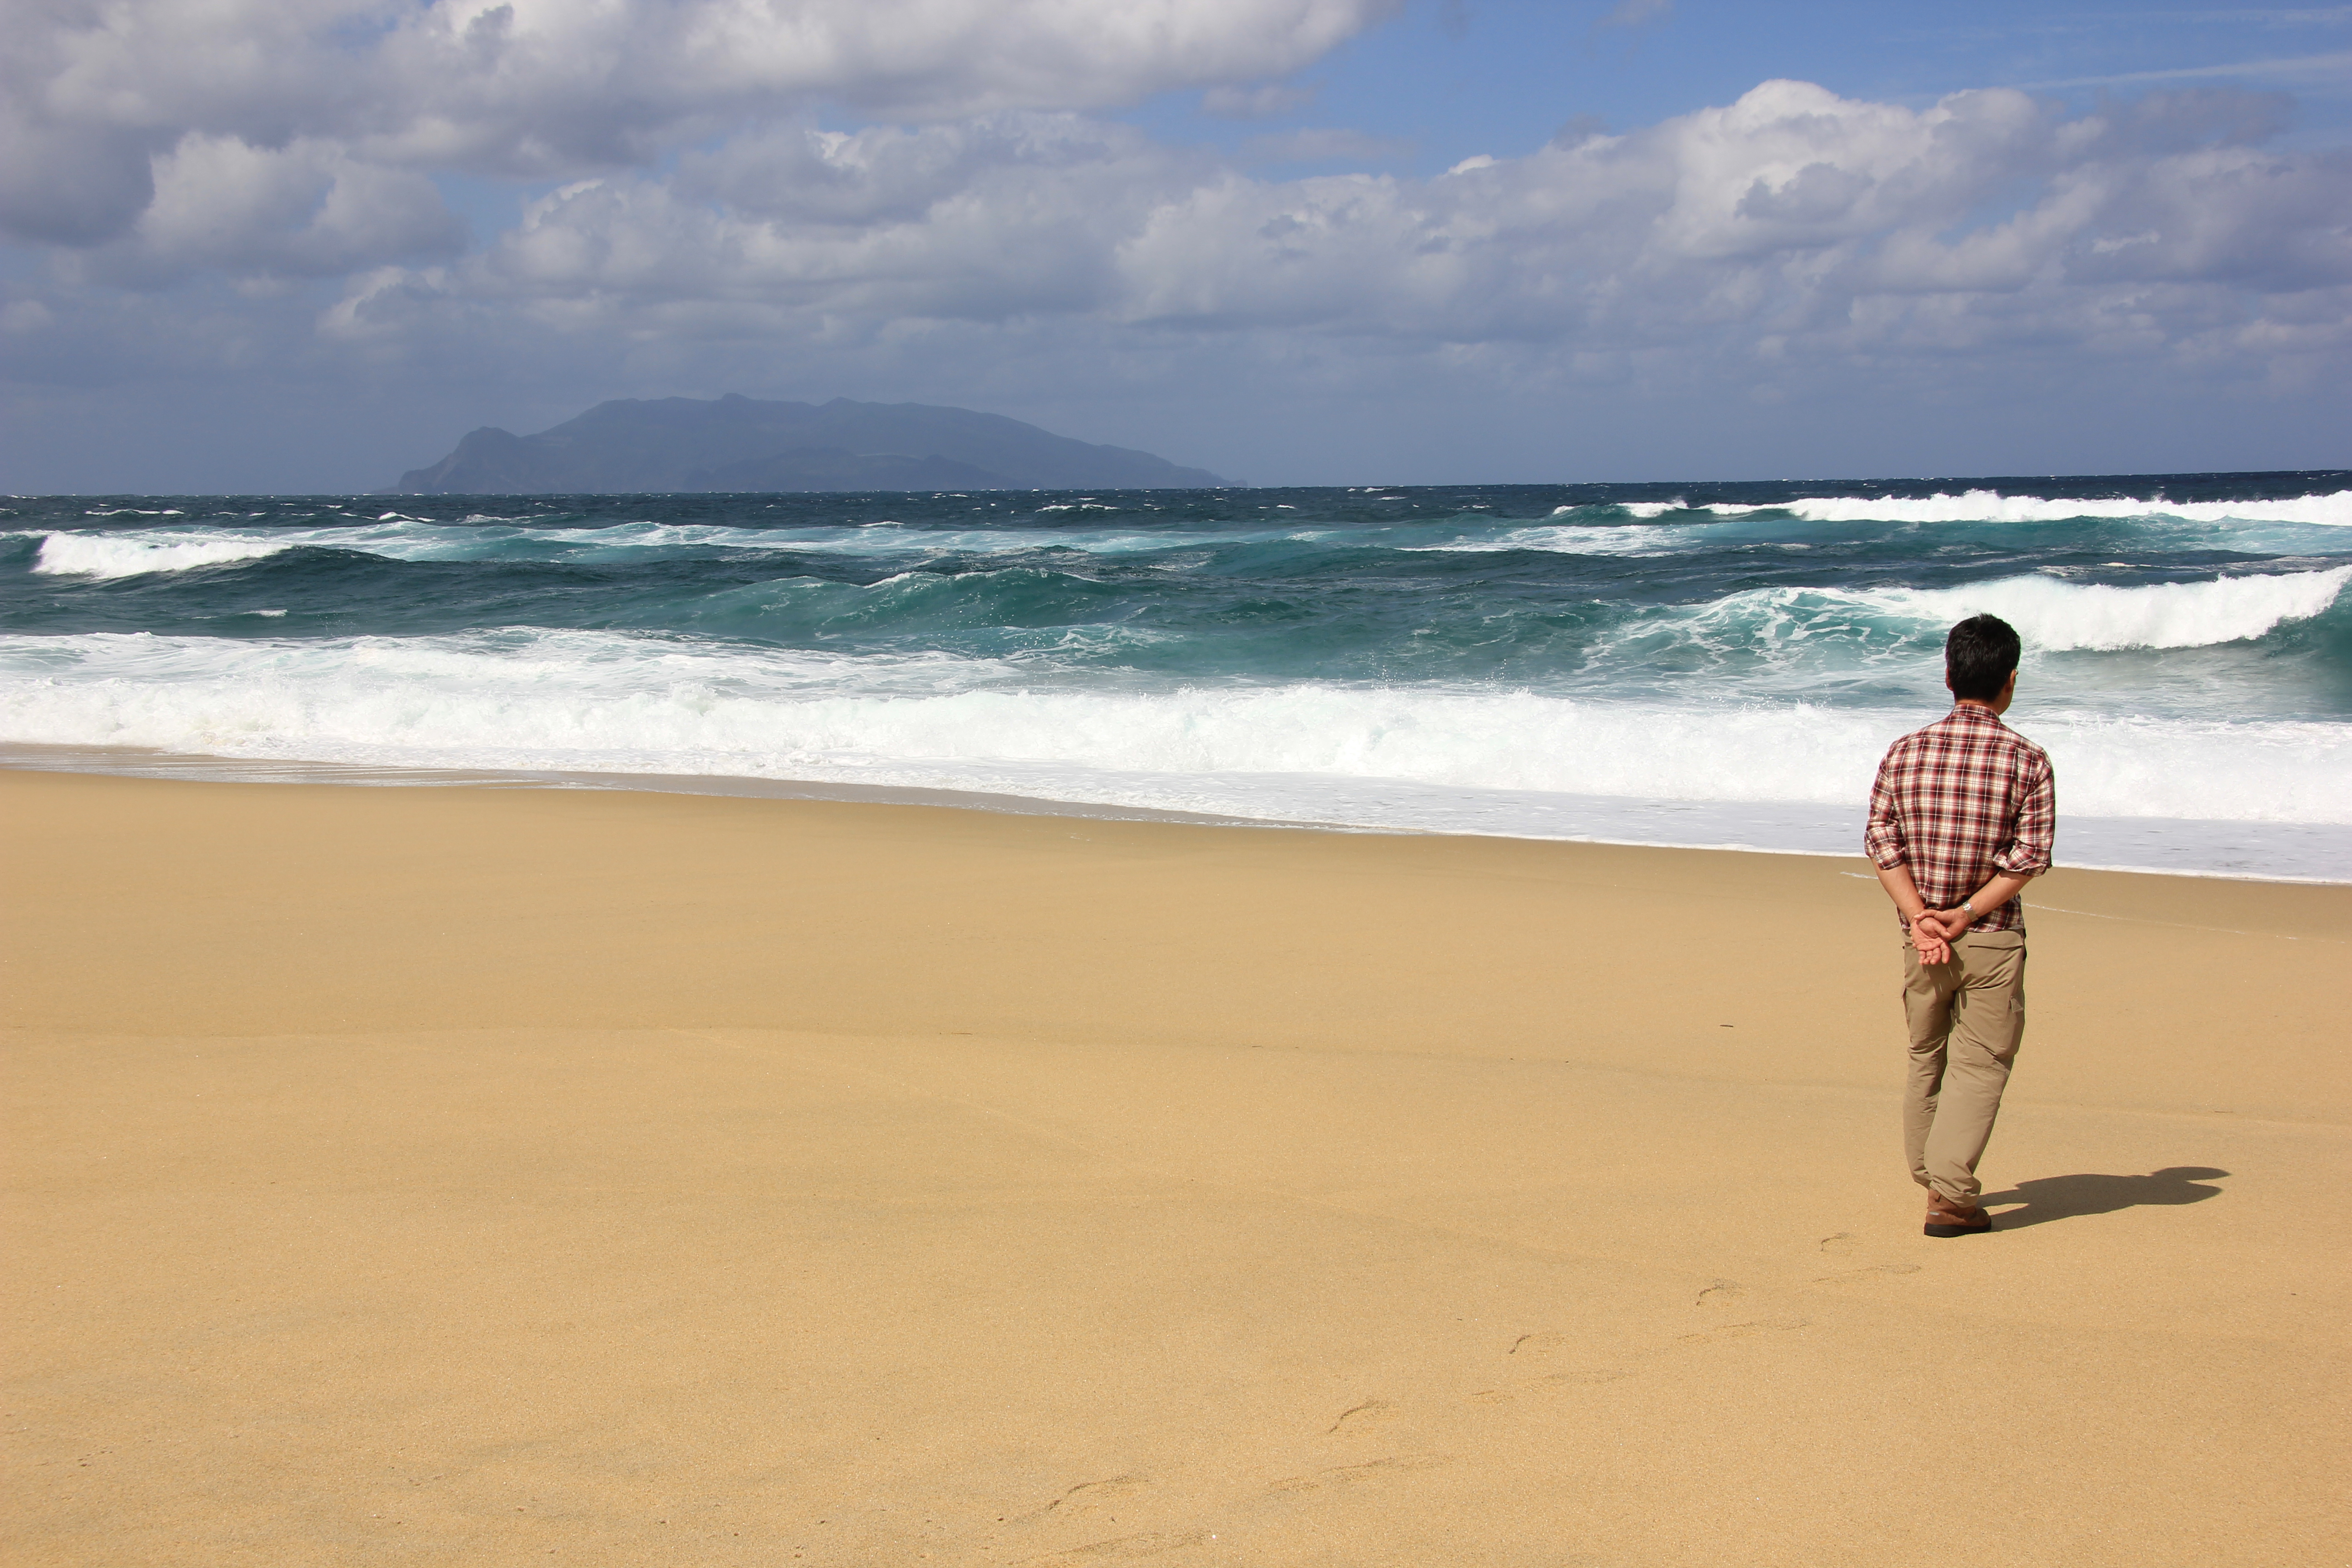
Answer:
(1714, 664)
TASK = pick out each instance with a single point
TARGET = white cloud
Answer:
(1826, 225)
(550, 88)
(302, 210)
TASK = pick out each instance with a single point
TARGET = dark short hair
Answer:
(1979, 654)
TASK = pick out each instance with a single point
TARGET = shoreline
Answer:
(2327, 842)
(138, 761)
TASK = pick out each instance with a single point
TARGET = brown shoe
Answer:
(1945, 1217)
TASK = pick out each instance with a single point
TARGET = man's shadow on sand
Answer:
(2046, 1198)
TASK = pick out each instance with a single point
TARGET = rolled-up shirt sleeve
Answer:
(1882, 839)
(2027, 853)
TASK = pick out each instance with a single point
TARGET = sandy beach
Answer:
(483, 1177)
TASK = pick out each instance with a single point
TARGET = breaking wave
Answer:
(621, 703)
(2332, 510)
(2055, 616)
(133, 555)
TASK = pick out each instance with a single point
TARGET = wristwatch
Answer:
(1970, 907)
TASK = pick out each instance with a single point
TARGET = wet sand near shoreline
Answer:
(472, 1175)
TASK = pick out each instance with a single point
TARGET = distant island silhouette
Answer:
(736, 443)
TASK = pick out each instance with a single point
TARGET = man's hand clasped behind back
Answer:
(1933, 937)
(1933, 931)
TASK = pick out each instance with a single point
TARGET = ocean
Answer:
(1713, 665)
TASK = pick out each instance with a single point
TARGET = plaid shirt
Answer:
(1959, 801)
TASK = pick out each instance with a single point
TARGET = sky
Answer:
(302, 246)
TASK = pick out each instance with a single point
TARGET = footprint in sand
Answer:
(1841, 1244)
(1091, 1496)
(1368, 1417)
(1357, 1475)
(1864, 1276)
(1551, 1382)
(1747, 1330)
(1126, 1548)
(1542, 1344)
(1721, 1293)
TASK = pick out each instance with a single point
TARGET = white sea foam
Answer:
(2333, 510)
(1793, 643)
(2052, 614)
(608, 702)
(130, 556)
(1574, 539)
(400, 538)
(412, 540)
(2058, 616)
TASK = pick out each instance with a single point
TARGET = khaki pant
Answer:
(1966, 1020)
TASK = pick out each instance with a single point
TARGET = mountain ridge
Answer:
(737, 443)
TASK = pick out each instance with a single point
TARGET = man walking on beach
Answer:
(1961, 819)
